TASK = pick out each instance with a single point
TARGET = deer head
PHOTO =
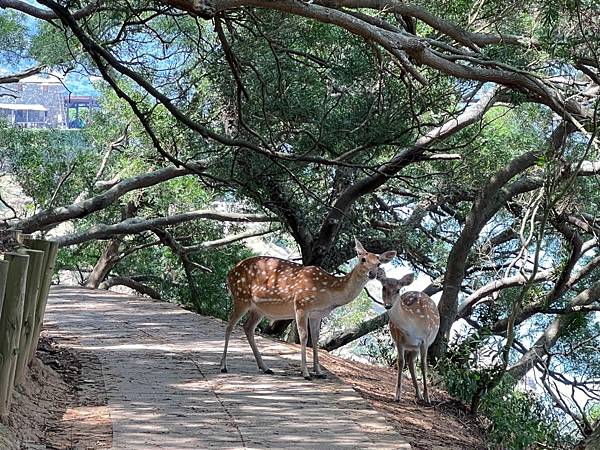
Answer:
(369, 263)
(392, 287)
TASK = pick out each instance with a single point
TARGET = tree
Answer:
(462, 134)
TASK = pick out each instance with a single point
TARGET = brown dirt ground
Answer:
(445, 425)
(60, 405)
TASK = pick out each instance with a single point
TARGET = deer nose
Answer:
(372, 275)
(388, 306)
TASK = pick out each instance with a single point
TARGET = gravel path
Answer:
(160, 366)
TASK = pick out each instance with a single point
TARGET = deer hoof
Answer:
(322, 376)
(223, 370)
(307, 377)
(268, 371)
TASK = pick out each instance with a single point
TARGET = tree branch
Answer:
(136, 225)
(81, 209)
(225, 241)
(16, 77)
(552, 333)
(132, 284)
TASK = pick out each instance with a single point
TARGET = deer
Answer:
(414, 321)
(280, 289)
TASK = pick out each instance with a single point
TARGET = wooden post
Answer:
(34, 276)
(3, 274)
(50, 250)
(10, 326)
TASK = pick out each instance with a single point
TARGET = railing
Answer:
(25, 277)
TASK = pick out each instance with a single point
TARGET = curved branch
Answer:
(552, 333)
(132, 284)
(81, 209)
(225, 241)
(472, 300)
(16, 77)
(352, 193)
(419, 48)
(351, 334)
(137, 225)
(46, 14)
(493, 196)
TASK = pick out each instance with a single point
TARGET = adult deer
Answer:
(280, 289)
(414, 324)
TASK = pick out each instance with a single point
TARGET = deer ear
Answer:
(358, 247)
(387, 256)
(381, 276)
(407, 279)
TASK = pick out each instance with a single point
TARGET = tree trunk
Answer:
(593, 440)
(105, 264)
(492, 196)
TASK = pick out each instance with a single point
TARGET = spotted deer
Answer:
(279, 289)
(414, 324)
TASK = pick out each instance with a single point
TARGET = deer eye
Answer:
(397, 291)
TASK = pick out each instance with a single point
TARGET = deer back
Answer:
(414, 319)
(275, 278)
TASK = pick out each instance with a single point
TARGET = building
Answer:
(38, 102)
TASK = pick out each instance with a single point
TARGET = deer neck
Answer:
(397, 312)
(352, 285)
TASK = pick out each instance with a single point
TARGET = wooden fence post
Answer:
(10, 326)
(50, 249)
(34, 276)
(3, 274)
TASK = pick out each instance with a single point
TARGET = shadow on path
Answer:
(165, 390)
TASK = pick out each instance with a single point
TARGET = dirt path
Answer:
(164, 389)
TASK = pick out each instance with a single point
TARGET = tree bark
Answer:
(333, 222)
(132, 284)
(137, 224)
(487, 203)
(45, 219)
(490, 199)
(108, 259)
(356, 332)
(593, 440)
(552, 333)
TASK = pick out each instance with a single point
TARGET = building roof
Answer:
(42, 80)
(23, 107)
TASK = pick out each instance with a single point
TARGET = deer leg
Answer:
(239, 309)
(400, 370)
(249, 327)
(315, 328)
(411, 366)
(424, 370)
(302, 324)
